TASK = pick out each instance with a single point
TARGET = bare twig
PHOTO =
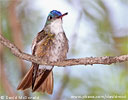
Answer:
(68, 62)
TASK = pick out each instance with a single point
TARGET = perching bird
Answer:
(50, 44)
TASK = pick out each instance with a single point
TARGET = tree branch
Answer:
(68, 62)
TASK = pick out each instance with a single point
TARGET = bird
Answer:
(51, 45)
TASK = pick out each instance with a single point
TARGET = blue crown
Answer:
(55, 13)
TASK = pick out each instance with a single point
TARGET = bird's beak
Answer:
(63, 15)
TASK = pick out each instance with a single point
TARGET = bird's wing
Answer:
(26, 81)
(39, 47)
(43, 43)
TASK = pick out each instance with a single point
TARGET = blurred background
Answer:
(93, 27)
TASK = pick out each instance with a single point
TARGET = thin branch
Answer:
(68, 62)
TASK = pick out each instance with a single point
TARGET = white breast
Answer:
(56, 26)
(57, 48)
(55, 53)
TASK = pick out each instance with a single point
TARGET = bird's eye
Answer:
(50, 17)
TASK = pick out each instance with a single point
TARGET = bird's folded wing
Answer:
(40, 49)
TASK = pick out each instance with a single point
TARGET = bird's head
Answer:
(54, 15)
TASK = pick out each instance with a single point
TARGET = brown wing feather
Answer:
(41, 50)
(42, 80)
(45, 81)
(47, 85)
(26, 81)
(34, 73)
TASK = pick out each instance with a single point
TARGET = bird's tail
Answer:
(43, 83)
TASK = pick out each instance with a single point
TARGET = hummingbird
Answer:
(51, 45)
